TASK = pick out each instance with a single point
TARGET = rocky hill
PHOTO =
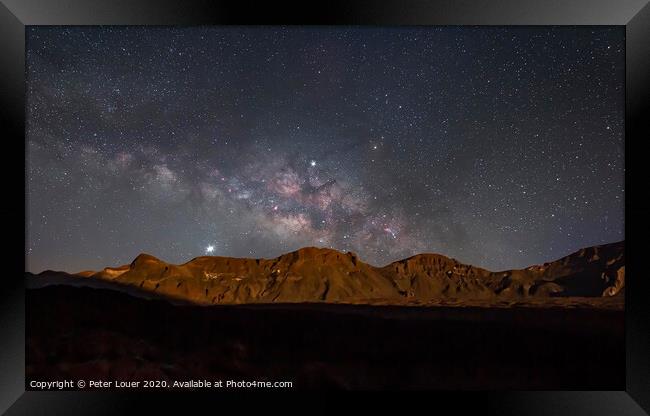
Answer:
(324, 275)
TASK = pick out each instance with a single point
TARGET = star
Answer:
(209, 249)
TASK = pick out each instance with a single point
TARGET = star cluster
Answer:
(499, 146)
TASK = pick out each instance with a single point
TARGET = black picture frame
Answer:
(15, 15)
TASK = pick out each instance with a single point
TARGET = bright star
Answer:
(312, 163)
(209, 249)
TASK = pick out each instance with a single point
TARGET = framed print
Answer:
(225, 198)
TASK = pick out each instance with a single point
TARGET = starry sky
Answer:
(502, 147)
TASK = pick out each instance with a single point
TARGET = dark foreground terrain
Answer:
(83, 333)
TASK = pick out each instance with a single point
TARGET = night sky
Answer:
(499, 146)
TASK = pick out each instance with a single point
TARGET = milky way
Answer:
(501, 147)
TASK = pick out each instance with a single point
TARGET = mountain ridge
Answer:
(314, 274)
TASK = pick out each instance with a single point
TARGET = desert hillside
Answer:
(592, 275)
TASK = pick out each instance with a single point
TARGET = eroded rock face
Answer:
(618, 284)
(323, 275)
